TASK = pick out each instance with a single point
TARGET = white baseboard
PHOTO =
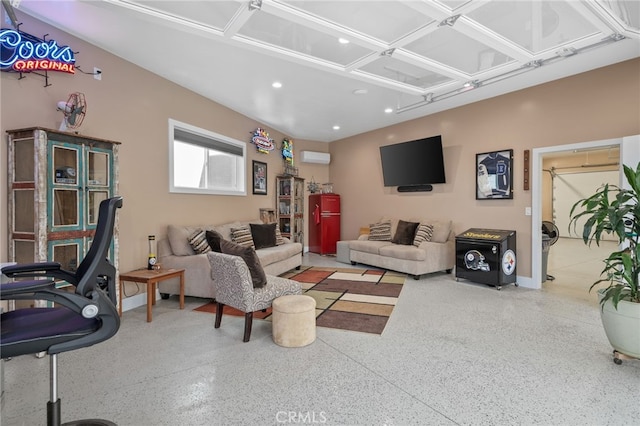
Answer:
(133, 302)
(526, 282)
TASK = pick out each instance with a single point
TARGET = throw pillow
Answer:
(380, 231)
(441, 231)
(242, 236)
(423, 233)
(198, 242)
(214, 238)
(279, 239)
(263, 235)
(178, 237)
(405, 233)
(248, 254)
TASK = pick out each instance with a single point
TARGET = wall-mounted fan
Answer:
(74, 110)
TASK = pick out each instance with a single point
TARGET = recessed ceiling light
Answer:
(276, 84)
(388, 110)
(343, 41)
(336, 127)
(360, 92)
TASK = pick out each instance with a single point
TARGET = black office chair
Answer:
(77, 320)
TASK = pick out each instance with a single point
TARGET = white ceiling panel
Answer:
(296, 37)
(403, 72)
(453, 5)
(415, 57)
(534, 25)
(625, 11)
(458, 51)
(384, 20)
(216, 14)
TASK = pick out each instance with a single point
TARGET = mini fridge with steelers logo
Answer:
(487, 256)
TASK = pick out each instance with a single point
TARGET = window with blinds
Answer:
(205, 162)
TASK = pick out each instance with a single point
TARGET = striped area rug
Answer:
(348, 299)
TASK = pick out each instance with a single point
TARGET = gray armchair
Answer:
(234, 287)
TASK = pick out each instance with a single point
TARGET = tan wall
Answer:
(133, 106)
(597, 105)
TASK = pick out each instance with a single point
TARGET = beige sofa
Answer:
(174, 251)
(435, 255)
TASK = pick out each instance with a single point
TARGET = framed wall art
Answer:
(494, 175)
(259, 171)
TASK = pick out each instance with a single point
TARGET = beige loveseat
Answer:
(437, 253)
(174, 251)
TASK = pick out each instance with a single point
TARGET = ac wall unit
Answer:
(316, 157)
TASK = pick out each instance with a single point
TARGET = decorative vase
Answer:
(622, 325)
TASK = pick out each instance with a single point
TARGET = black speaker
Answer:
(415, 188)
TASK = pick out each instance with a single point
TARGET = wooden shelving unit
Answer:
(290, 207)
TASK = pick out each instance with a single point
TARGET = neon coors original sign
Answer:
(23, 52)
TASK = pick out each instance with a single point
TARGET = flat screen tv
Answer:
(413, 163)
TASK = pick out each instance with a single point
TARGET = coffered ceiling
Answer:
(343, 63)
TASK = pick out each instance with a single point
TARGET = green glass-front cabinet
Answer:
(56, 183)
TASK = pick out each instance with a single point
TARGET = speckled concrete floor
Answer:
(575, 266)
(453, 353)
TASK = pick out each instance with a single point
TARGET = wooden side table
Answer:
(151, 278)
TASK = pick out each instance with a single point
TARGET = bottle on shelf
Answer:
(152, 252)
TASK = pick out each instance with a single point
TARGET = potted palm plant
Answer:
(616, 211)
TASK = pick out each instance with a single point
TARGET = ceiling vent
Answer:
(315, 157)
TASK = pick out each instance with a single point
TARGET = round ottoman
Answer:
(294, 320)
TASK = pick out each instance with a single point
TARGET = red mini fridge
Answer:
(324, 223)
